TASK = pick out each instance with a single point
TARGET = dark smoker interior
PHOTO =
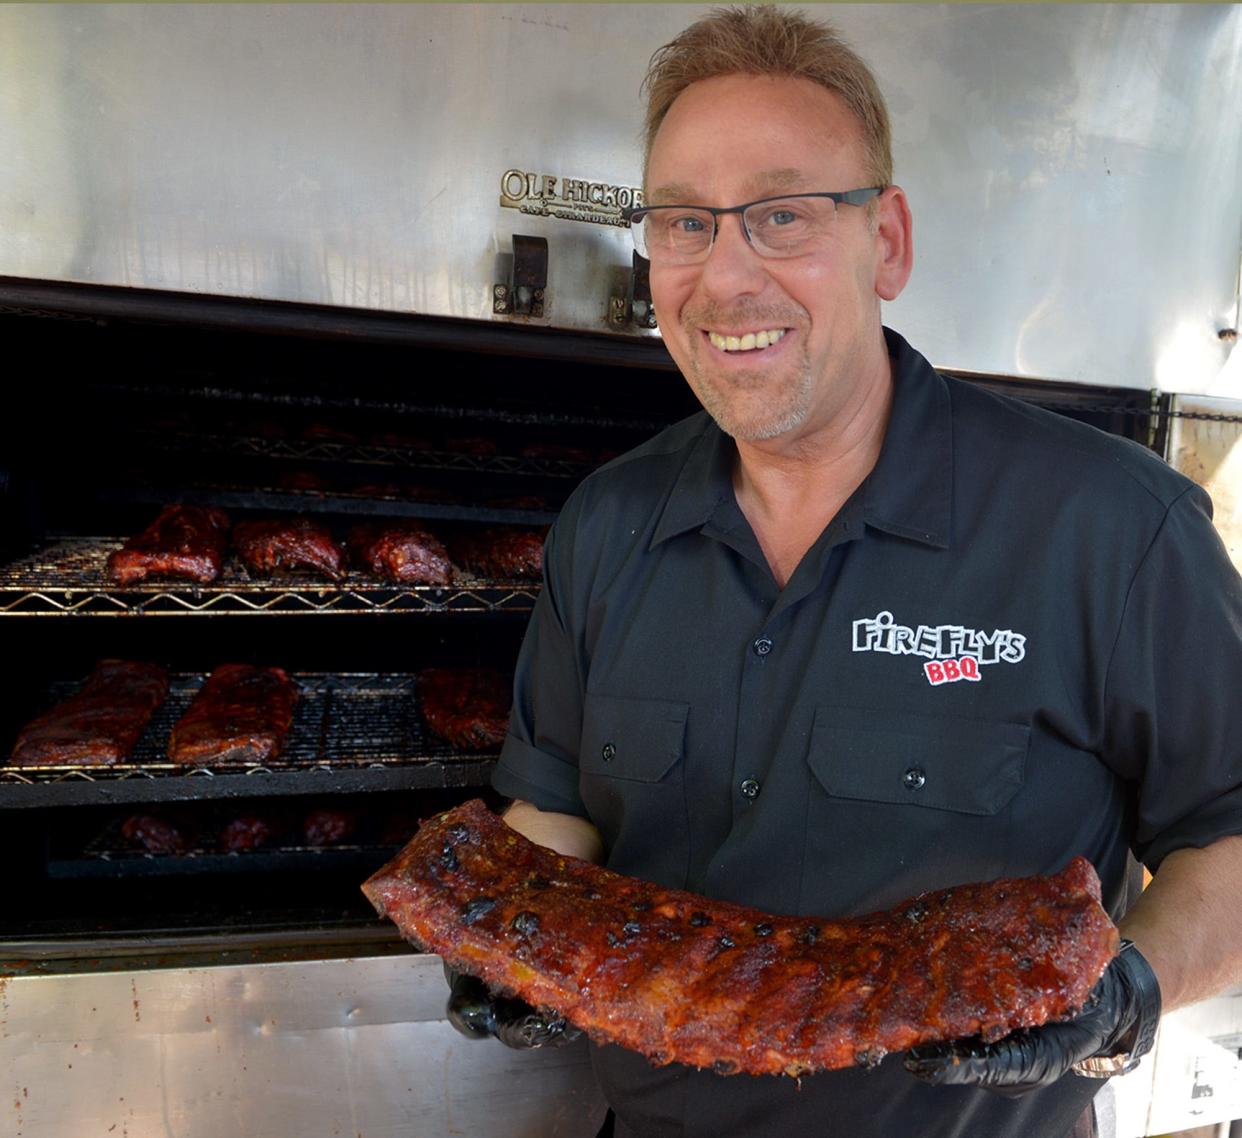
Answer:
(121, 401)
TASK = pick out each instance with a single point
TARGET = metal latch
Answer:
(523, 295)
(636, 307)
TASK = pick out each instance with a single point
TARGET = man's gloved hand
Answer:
(477, 1012)
(1119, 1020)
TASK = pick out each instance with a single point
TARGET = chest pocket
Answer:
(901, 803)
(631, 780)
(964, 766)
(638, 740)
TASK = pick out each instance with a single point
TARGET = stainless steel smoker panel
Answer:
(353, 1046)
(1075, 171)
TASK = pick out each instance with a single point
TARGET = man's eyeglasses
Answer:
(775, 227)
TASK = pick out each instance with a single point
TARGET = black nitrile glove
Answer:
(477, 1012)
(1114, 1028)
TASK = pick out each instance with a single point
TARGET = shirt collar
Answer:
(908, 494)
(705, 480)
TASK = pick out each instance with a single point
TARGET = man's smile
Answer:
(745, 341)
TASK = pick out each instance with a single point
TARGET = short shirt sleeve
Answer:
(1173, 695)
(539, 760)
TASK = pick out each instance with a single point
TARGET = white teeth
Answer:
(747, 343)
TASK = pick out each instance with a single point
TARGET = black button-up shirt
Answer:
(1018, 641)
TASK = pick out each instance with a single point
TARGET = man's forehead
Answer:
(759, 184)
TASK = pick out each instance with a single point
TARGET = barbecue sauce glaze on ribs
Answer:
(681, 978)
(467, 707)
(186, 542)
(403, 552)
(241, 714)
(286, 544)
(101, 723)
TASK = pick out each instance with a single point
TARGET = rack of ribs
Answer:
(248, 832)
(324, 826)
(403, 552)
(681, 978)
(501, 552)
(287, 544)
(185, 542)
(101, 723)
(467, 707)
(155, 834)
(241, 714)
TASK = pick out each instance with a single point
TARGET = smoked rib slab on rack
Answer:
(402, 552)
(242, 714)
(467, 707)
(185, 542)
(287, 544)
(681, 978)
(502, 552)
(101, 723)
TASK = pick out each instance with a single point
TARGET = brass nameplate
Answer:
(570, 199)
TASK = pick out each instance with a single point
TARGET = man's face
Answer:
(735, 139)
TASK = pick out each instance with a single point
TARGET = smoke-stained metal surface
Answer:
(1075, 171)
(317, 1047)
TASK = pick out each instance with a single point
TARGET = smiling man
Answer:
(858, 630)
(772, 311)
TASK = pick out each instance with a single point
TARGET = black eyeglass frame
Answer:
(841, 197)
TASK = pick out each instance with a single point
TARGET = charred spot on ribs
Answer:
(478, 907)
(525, 923)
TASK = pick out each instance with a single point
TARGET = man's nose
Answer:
(732, 267)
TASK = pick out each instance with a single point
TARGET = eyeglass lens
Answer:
(779, 228)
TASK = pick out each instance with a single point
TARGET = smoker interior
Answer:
(120, 402)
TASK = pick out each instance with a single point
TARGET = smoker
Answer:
(267, 411)
(301, 300)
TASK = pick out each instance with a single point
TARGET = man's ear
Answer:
(894, 237)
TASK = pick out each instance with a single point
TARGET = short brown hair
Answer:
(762, 40)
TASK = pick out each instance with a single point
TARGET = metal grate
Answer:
(363, 730)
(108, 854)
(349, 502)
(68, 578)
(364, 453)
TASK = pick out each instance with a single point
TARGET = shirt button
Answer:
(762, 646)
(609, 752)
(750, 788)
(914, 779)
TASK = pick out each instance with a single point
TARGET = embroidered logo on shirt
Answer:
(953, 652)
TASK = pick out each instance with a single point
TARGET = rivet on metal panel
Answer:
(616, 310)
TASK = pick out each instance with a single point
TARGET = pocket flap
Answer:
(637, 739)
(965, 765)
